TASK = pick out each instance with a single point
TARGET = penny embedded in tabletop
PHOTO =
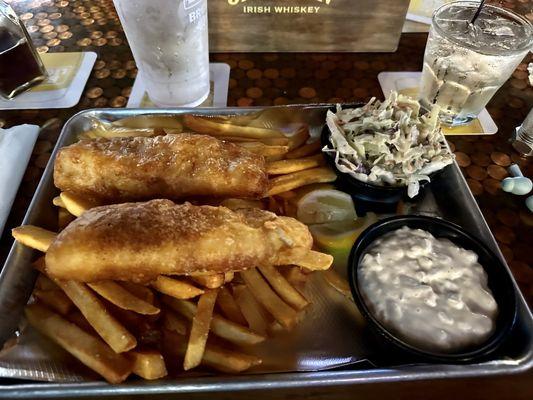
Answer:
(516, 102)
(263, 83)
(521, 271)
(94, 92)
(99, 64)
(504, 234)
(102, 73)
(84, 42)
(480, 159)
(496, 172)
(307, 92)
(50, 35)
(99, 42)
(119, 74)
(501, 159)
(53, 42)
(65, 35)
(119, 101)
(491, 185)
(475, 186)
(507, 252)
(508, 217)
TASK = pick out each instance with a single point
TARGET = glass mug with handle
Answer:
(21, 67)
(169, 41)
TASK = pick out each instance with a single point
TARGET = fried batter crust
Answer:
(140, 241)
(171, 166)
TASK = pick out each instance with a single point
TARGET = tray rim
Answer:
(219, 383)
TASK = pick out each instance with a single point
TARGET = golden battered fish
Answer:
(171, 166)
(140, 241)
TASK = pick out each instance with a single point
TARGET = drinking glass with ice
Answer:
(466, 63)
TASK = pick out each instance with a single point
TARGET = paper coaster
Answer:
(67, 76)
(218, 95)
(422, 10)
(407, 83)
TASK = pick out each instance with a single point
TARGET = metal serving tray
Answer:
(448, 197)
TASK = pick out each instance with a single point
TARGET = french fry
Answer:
(45, 283)
(142, 292)
(109, 329)
(298, 138)
(90, 350)
(150, 121)
(64, 218)
(200, 330)
(294, 275)
(75, 204)
(252, 311)
(312, 260)
(117, 295)
(148, 364)
(214, 356)
(281, 312)
(119, 132)
(305, 150)
(276, 328)
(220, 326)
(40, 265)
(283, 288)
(228, 361)
(174, 323)
(176, 288)
(295, 180)
(34, 237)
(294, 165)
(338, 282)
(209, 127)
(58, 202)
(55, 300)
(281, 141)
(237, 204)
(211, 281)
(228, 276)
(264, 150)
(76, 317)
(229, 307)
(288, 195)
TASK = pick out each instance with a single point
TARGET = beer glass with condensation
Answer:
(169, 42)
(466, 63)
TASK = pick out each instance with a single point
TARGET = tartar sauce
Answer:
(428, 291)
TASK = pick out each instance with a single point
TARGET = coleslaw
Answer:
(388, 143)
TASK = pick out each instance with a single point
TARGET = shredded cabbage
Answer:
(388, 143)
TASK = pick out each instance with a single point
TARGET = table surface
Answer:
(264, 79)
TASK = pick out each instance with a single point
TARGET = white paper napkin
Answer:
(16, 145)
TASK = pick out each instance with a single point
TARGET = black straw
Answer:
(477, 12)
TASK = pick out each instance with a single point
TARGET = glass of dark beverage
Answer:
(20, 66)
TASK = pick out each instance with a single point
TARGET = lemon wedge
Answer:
(325, 206)
(337, 238)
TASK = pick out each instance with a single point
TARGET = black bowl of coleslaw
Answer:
(376, 197)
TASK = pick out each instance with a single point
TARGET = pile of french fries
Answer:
(177, 323)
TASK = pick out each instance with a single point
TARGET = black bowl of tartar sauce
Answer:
(432, 290)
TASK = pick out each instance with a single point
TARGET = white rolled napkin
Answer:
(16, 145)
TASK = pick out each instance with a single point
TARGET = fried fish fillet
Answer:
(171, 166)
(140, 241)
